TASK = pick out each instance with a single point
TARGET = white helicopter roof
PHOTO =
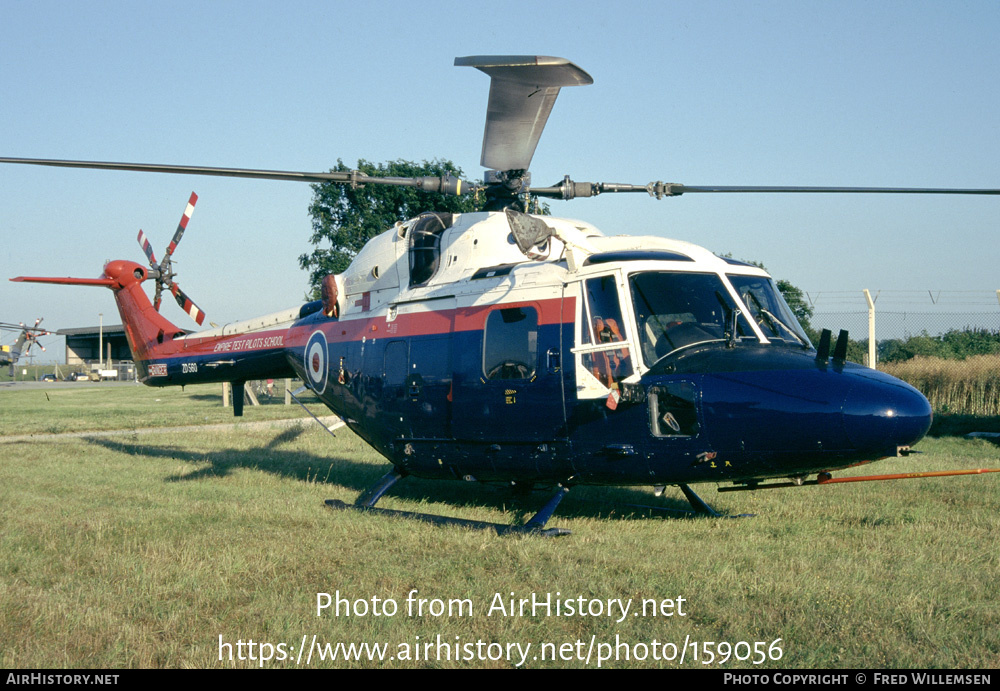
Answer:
(462, 247)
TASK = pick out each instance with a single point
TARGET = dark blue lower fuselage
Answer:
(711, 414)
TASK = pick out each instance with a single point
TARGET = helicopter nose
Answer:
(882, 413)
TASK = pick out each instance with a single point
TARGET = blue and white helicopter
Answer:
(507, 347)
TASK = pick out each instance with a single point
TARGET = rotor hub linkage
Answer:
(568, 189)
(507, 189)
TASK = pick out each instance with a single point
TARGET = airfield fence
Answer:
(944, 343)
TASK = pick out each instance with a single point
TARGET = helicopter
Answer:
(27, 337)
(534, 351)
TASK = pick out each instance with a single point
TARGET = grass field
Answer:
(82, 407)
(143, 549)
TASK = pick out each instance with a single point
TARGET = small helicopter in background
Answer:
(27, 337)
(534, 351)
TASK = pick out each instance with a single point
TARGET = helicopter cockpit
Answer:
(676, 310)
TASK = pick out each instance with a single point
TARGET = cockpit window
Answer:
(677, 310)
(769, 309)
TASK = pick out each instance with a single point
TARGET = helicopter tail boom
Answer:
(164, 354)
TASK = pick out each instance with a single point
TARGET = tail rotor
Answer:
(162, 272)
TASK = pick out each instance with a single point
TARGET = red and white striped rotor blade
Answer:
(186, 304)
(147, 248)
(183, 224)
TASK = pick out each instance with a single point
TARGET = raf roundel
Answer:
(314, 359)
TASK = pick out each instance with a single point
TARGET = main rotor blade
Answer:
(445, 184)
(31, 331)
(682, 189)
(523, 89)
(568, 189)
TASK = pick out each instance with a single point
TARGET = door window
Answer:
(510, 344)
(610, 361)
(673, 410)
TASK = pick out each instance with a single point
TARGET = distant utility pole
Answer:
(871, 330)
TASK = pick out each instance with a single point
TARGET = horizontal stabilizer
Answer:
(107, 282)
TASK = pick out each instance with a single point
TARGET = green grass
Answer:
(81, 407)
(140, 550)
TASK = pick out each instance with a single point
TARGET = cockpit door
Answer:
(604, 354)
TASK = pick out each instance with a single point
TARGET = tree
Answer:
(348, 218)
(955, 344)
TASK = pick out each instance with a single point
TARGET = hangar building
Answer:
(82, 344)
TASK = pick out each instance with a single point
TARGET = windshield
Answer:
(769, 309)
(677, 310)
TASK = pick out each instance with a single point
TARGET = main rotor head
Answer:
(523, 89)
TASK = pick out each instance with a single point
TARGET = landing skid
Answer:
(703, 509)
(698, 506)
(536, 526)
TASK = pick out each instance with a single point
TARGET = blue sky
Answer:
(797, 93)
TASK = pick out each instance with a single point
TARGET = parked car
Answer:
(49, 377)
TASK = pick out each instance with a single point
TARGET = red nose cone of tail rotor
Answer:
(124, 272)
